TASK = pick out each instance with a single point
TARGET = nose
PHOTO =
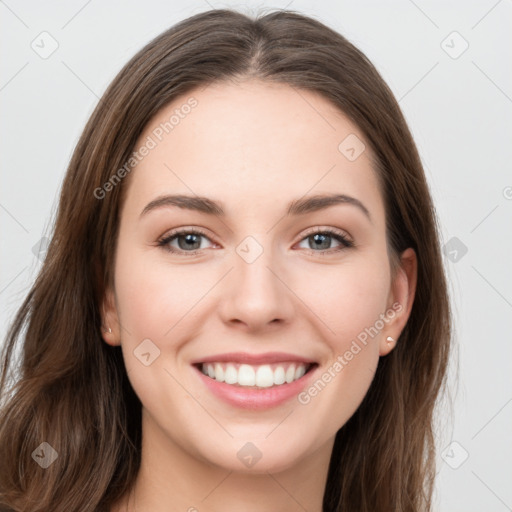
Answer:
(256, 296)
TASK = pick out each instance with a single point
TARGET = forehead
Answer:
(254, 140)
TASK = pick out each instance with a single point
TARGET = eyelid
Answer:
(165, 239)
(344, 239)
(341, 236)
(326, 229)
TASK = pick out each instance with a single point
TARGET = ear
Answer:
(400, 300)
(110, 330)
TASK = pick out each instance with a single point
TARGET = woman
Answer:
(293, 359)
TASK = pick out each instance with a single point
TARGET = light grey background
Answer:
(458, 106)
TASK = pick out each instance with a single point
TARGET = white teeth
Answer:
(219, 372)
(299, 372)
(230, 375)
(246, 375)
(263, 376)
(290, 373)
(279, 377)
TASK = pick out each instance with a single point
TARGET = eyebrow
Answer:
(297, 207)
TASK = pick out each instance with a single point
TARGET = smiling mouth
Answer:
(261, 376)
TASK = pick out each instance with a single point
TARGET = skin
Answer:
(254, 147)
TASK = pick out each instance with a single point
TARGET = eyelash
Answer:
(337, 235)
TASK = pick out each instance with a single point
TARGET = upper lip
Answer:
(246, 357)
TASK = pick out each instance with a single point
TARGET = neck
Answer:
(172, 479)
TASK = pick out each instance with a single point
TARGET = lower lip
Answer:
(256, 399)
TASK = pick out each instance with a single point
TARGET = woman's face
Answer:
(257, 281)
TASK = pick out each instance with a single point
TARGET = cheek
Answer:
(346, 298)
(349, 301)
(153, 296)
(340, 299)
(334, 303)
(156, 302)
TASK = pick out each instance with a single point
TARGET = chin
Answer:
(255, 456)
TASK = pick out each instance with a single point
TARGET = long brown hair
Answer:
(72, 390)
